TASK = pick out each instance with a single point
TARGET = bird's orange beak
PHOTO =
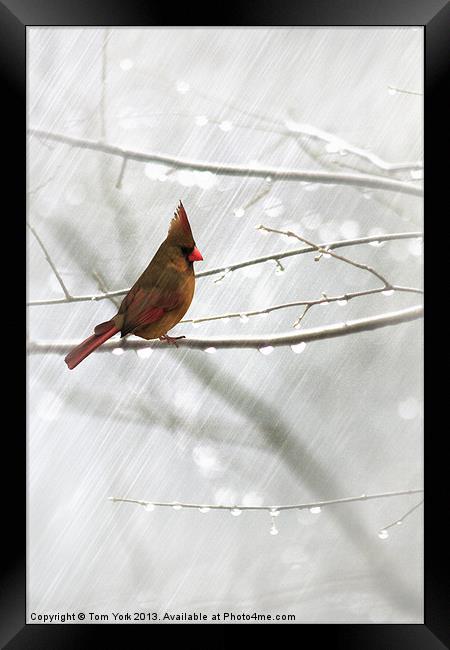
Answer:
(195, 256)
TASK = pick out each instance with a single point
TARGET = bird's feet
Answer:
(171, 339)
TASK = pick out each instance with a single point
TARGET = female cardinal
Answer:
(159, 298)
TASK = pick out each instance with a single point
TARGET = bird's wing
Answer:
(145, 306)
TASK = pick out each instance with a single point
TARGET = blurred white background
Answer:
(340, 419)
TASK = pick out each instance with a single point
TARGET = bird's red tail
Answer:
(85, 348)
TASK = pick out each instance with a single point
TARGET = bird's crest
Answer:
(179, 226)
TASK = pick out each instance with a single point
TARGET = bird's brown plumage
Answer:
(159, 298)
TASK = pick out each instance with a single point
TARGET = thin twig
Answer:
(252, 342)
(272, 508)
(102, 286)
(280, 267)
(339, 144)
(320, 157)
(257, 197)
(121, 173)
(68, 297)
(398, 522)
(293, 129)
(36, 189)
(403, 91)
(344, 297)
(324, 250)
(239, 265)
(358, 180)
(305, 311)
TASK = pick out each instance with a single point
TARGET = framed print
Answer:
(225, 399)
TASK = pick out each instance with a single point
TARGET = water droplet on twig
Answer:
(298, 347)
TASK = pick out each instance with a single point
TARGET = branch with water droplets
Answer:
(222, 169)
(264, 343)
(383, 534)
(177, 505)
(240, 265)
(315, 507)
(341, 298)
(291, 128)
(325, 250)
(338, 144)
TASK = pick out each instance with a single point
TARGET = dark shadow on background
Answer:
(299, 461)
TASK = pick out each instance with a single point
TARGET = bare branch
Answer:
(336, 144)
(121, 173)
(239, 265)
(41, 186)
(359, 180)
(344, 297)
(102, 286)
(256, 342)
(322, 158)
(293, 128)
(325, 250)
(404, 91)
(305, 311)
(68, 297)
(273, 509)
(383, 532)
(280, 267)
(257, 197)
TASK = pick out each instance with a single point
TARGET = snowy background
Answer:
(340, 419)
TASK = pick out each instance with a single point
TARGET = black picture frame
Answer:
(15, 16)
